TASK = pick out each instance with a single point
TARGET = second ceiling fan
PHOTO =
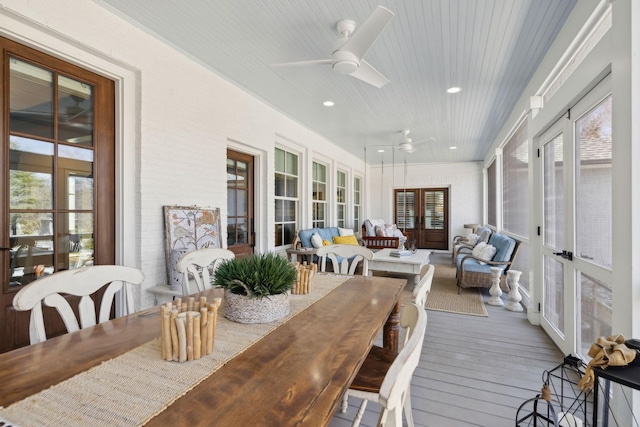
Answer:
(407, 144)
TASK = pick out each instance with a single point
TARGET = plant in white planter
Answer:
(256, 287)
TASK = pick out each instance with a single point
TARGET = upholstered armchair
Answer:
(465, 244)
(474, 269)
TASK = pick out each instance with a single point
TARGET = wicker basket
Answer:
(242, 309)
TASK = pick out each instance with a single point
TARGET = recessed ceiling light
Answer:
(328, 103)
(381, 151)
(453, 148)
(454, 89)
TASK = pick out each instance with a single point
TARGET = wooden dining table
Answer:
(295, 375)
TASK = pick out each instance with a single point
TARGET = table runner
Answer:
(134, 387)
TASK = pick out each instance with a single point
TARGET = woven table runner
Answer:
(132, 388)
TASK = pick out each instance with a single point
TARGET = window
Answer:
(341, 198)
(515, 186)
(356, 204)
(515, 195)
(319, 197)
(286, 197)
(492, 217)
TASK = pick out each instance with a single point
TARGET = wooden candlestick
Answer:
(167, 337)
(182, 338)
(197, 349)
(189, 335)
(203, 330)
(175, 349)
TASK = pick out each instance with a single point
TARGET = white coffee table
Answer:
(410, 265)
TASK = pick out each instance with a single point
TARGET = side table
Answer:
(164, 293)
(307, 253)
(624, 375)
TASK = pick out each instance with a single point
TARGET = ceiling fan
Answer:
(349, 50)
(407, 145)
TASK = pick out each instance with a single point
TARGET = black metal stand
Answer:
(563, 381)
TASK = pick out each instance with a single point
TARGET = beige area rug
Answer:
(444, 294)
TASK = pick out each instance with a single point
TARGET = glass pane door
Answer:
(554, 214)
(240, 234)
(593, 224)
(58, 177)
(577, 221)
(51, 198)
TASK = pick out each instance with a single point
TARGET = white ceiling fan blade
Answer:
(368, 74)
(423, 141)
(366, 34)
(304, 63)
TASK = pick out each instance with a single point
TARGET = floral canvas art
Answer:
(188, 228)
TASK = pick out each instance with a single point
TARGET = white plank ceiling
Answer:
(489, 48)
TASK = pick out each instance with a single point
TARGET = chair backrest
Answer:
(82, 282)
(197, 263)
(397, 380)
(423, 287)
(345, 258)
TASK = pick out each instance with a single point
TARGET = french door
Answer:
(240, 231)
(57, 177)
(576, 253)
(423, 214)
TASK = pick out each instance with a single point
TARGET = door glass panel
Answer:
(31, 171)
(231, 203)
(434, 210)
(75, 112)
(31, 247)
(241, 232)
(553, 188)
(593, 185)
(30, 99)
(231, 231)
(75, 240)
(405, 209)
(553, 307)
(75, 164)
(595, 310)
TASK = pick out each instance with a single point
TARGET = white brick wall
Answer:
(464, 181)
(187, 116)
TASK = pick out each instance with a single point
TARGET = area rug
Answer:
(444, 294)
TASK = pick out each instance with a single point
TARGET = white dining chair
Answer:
(82, 282)
(385, 377)
(422, 289)
(345, 258)
(197, 264)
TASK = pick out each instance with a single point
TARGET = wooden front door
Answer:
(240, 226)
(423, 214)
(57, 177)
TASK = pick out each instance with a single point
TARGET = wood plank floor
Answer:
(473, 371)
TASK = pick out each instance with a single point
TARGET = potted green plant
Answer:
(256, 287)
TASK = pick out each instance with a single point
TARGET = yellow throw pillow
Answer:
(345, 240)
(326, 242)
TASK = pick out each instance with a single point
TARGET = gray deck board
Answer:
(473, 371)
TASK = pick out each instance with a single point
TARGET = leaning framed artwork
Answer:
(188, 228)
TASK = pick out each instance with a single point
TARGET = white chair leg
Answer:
(408, 412)
(345, 403)
(361, 409)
